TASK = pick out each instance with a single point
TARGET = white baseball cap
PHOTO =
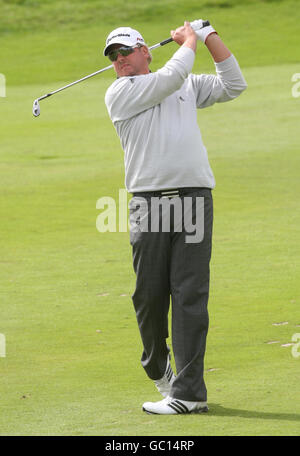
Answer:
(123, 35)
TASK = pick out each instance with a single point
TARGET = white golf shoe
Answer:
(171, 406)
(164, 384)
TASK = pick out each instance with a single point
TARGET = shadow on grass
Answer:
(219, 410)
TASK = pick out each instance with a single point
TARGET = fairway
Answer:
(72, 352)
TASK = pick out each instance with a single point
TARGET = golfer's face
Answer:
(132, 64)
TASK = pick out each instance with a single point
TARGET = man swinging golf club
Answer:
(155, 116)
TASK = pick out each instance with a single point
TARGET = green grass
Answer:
(25, 15)
(73, 348)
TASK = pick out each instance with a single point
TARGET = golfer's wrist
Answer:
(210, 37)
(205, 32)
(191, 42)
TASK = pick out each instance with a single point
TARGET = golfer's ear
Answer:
(147, 53)
(145, 50)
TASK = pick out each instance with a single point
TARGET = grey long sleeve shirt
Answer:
(155, 116)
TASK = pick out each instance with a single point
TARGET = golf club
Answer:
(196, 25)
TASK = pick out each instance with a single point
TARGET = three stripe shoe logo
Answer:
(178, 406)
(169, 372)
(172, 406)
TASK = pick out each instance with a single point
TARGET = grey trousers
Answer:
(167, 266)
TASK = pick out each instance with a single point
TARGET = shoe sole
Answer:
(195, 412)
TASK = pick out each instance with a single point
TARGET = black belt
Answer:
(169, 193)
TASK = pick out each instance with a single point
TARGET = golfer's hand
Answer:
(204, 32)
(185, 35)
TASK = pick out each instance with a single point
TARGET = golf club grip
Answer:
(166, 41)
(169, 40)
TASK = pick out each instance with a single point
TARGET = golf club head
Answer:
(36, 108)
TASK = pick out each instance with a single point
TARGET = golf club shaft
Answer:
(98, 72)
(75, 82)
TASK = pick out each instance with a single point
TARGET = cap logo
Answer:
(115, 36)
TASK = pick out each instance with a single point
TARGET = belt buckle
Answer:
(169, 193)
